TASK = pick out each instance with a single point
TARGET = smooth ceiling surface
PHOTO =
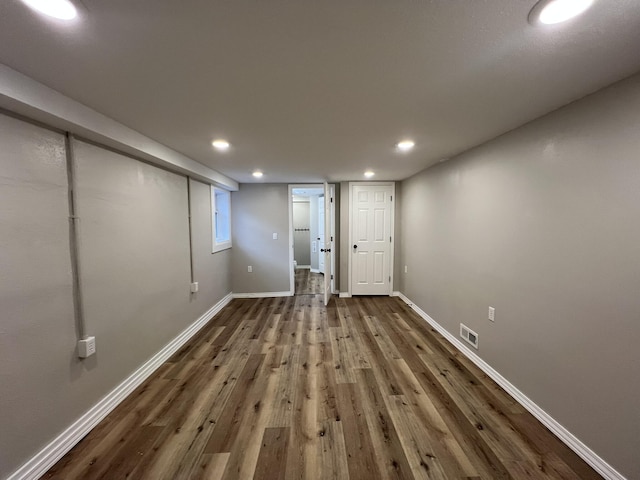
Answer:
(321, 90)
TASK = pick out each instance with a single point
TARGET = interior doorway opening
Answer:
(311, 234)
(306, 261)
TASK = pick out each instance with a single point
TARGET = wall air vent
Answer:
(469, 335)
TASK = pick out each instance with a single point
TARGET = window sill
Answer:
(221, 247)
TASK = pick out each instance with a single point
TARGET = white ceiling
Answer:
(321, 90)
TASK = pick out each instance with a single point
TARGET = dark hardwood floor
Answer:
(308, 282)
(284, 388)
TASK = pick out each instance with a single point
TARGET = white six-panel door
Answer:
(371, 223)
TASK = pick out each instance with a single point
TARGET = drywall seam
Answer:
(54, 451)
(574, 443)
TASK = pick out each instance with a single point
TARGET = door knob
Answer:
(355, 246)
(322, 249)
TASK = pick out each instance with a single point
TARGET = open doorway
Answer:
(306, 239)
(311, 249)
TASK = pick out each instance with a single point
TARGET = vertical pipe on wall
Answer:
(190, 229)
(73, 239)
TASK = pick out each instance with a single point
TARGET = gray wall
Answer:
(543, 224)
(211, 271)
(258, 211)
(37, 333)
(134, 249)
(343, 239)
(134, 252)
(398, 268)
(301, 231)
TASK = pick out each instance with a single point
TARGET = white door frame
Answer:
(392, 228)
(292, 281)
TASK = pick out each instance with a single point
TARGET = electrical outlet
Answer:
(492, 314)
(86, 347)
(194, 287)
(275, 235)
(406, 269)
(250, 269)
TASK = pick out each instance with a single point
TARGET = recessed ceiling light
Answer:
(369, 174)
(61, 9)
(257, 174)
(549, 12)
(405, 145)
(221, 145)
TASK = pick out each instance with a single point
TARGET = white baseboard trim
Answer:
(345, 295)
(54, 451)
(303, 267)
(314, 270)
(395, 293)
(575, 444)
(263, 294)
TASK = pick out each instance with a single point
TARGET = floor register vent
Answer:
(469, 335)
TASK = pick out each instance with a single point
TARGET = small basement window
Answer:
(221, 218)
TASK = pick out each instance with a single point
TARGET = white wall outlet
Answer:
(406, 269)
(194, 287)
(492, 314)
(86, 347)
(275, 235)
(250, 269)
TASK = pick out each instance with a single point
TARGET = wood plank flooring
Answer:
(308, 282)
(284, 388)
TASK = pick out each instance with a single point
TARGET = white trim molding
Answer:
(574, 443)
(263, 294)
(54, 451)
(345, 295)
